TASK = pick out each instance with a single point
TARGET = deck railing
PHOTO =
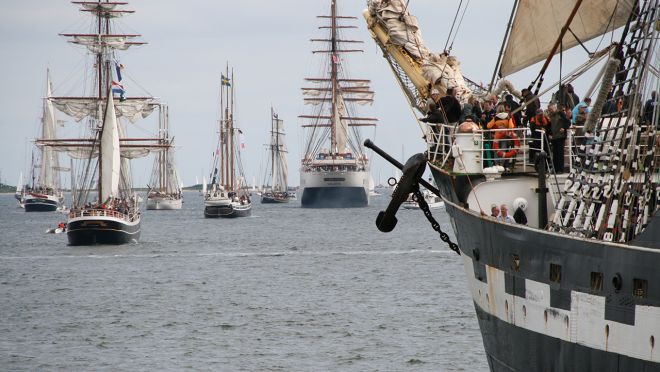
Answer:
(99, 212)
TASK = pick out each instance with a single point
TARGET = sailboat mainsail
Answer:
(110, 155)
(538, 24)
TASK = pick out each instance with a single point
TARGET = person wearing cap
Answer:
(433, 112)
(539, 125)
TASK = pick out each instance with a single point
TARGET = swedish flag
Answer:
(225, 80)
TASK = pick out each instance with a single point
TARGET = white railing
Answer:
(99, 212)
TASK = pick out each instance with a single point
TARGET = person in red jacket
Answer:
(540, 127)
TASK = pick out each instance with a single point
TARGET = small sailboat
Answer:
(19, 191)
(164, 186)
(229, 195)
(44, 194)
(276, 186)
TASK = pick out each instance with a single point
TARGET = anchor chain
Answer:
(434, 224)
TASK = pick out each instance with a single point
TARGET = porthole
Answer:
(607, 331)
(524, 310)
(617, 281)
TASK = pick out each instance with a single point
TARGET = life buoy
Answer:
(510, 135)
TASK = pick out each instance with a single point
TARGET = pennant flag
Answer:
(335, 60)
(225, 80)
(118, 67)
(241, 139)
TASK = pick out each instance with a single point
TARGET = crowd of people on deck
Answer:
(111, 204)
(547, 128)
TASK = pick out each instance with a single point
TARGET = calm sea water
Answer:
(288, 289)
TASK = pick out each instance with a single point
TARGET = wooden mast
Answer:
(333, 78)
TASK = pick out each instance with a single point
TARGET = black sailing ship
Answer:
(575, 288)
(104, 208)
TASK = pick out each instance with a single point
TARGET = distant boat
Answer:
(229, 195)
(44, 194)
(433, 201)
(165, 190)
(278, 169)
(19, 191)
(334, 170)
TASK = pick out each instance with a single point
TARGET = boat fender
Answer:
(607, 191)
(521, 203)
(456, 151)
(567, 184)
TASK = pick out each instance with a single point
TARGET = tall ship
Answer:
(43, 193)
(228, 195)
(334, 170)
(571, 286)
(104, 208)
(275, 186)
(165, 186)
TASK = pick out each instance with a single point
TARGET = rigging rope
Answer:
(451, 30)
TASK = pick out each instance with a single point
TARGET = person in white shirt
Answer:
(504, 215)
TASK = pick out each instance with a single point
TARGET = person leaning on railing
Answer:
(559, 126)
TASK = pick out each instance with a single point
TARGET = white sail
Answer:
(538, 23)
(82, 107)
(48, 157)
(110, 154)
(204, 185)
(341, 129)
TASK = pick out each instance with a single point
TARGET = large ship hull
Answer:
(40, 203)
(93, 230)
(560, 302)
(157, 203)
(334, 189)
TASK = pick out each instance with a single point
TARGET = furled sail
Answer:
(110, 160)
(538, 23)
(82, 107)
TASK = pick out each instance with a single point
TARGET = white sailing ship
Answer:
(275, 186)
(164, 186)
(334, 170)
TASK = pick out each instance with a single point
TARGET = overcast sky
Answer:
(189, 43)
